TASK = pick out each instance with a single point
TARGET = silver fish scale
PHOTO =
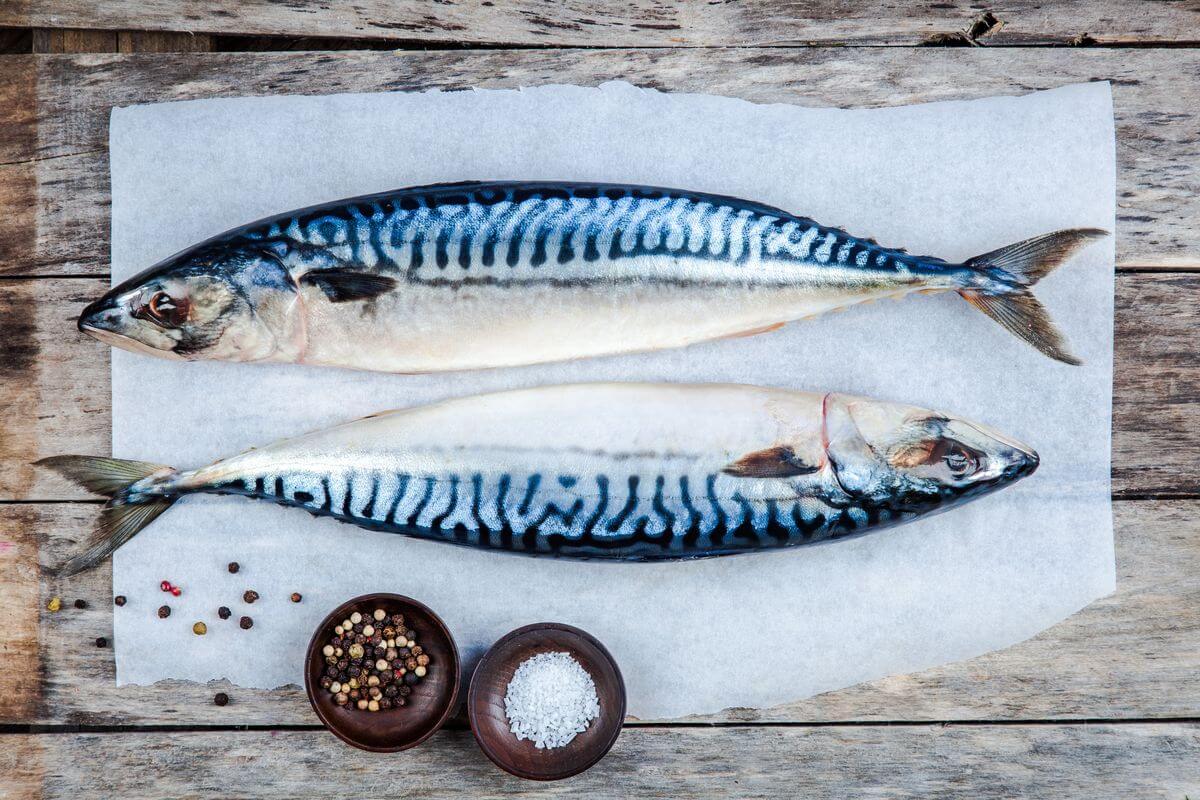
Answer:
(640, 517)
(531, 233)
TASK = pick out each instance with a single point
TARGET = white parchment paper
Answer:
(952, 179)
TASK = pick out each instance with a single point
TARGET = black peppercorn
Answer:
(101, 641)
(410, 678)
(399, 701)
(246, 623)
(233, 566)
(380, 650)
(221, 698)
(397, 619)
(416, 650)
(385, 704)
(296, 597)
(397, 663)
(354, 671)
(343, 663)
(223, 612)
(119, 600)
(404, 652)
(250, 596)
(164, 612)
(389, 690)
(331, 671)
(404, 691)
(81, 603)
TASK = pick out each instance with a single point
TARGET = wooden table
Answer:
(1105, 704)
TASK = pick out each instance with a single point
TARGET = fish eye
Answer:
(960, 461)
(164, 310)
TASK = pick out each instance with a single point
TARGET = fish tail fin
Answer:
(129, 509)
(1011, 272)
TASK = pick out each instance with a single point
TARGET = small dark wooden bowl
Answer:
(429, 706)
(485, 703)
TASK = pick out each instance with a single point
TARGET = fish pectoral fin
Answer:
(755, 331)
(774, 462)
(343, 286)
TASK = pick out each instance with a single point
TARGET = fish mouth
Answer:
(1022, 464)
(106, 321)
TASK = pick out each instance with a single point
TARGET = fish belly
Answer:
(452, 326)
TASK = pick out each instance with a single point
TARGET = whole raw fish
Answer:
(612, 471)
(459, 276)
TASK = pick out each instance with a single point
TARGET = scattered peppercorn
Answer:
(101, 641)
(81, 603)
(119, 600)
(296, 597)
(233, 567)
(164, 612)
(250, 596)
(165, 586)
(223, 612)
(246, 623)
(199, 629)
(221, 699)
(377, 676)
(55, 604)
(175, 590)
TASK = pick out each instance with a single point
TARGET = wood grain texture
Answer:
(1133, 655)
(626, 23)
(976, 762)
(1156, 97)
(59, 379)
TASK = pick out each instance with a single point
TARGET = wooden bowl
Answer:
(429, 706)
(485, 703)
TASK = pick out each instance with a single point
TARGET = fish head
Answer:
(912, 460)
(208, 302)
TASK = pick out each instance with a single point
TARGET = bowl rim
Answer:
(331, 618)
(486, 662)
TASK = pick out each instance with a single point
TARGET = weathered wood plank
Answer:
(976, 762)
(1156, 96)
(626, 23)
(59, 380)
(1133, 655)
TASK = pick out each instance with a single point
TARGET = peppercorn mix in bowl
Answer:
(388, 680)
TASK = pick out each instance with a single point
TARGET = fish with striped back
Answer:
(625, 471)
(474, 275)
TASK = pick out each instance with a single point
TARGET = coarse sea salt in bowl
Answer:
(486, 706)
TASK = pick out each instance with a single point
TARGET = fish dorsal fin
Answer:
(780, 461)
(343, 285)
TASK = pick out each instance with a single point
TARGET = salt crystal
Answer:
(550, 700)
